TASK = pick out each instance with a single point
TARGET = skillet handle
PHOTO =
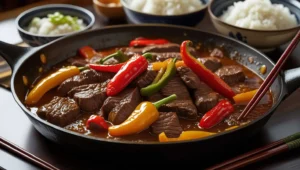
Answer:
(292, 79)
(12, 53)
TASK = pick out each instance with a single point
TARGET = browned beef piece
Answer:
(231, 74)
(183, 108)
(165, 56)
(130, 51)
(204, 89)
(155, 97)
(126, 106)
(95, 59)
(164, 48)
(146, 78)
(89, 97)
(85, 77)
(79, 62)
(206, 102)
(60, 111)
(212, 63)
(189, 77)
(167, 122)
(217, 53)
(113, 101)
(205, 98)
(176, 86)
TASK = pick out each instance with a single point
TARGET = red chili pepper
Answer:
(106, 68)
(131, 69)
(223, 109)
(96, 122)
(87, 52)
(145, 42)
(208, 77)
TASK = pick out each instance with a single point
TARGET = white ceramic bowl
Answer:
(260, 39)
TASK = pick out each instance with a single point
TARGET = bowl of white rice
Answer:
(263, 24)
(176, 12)
(43, 24)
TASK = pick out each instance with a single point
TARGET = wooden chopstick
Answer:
(274, 148)
(24, 154)
(270, 78)
(257, 151)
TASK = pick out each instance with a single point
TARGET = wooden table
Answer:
(16, 127)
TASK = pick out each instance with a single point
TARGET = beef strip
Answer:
(95, 59)
(205, 97)
(89, 97)
(155, 97)
(126, 106)
(85, 77)
(176, 86)
(206, 102)
(183, 106)
(231, 74)
(164, 48)
(146, 78)
(167, 122)
(189, 77)
(79, 62)
(130, 51)
(165, 56)
(112, 102)
(60, 111)
(212, 63)
(217, 53)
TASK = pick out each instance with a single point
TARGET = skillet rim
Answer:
(20, 62)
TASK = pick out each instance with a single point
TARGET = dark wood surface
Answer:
(16, 127)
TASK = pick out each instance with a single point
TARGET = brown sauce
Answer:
(253, 81)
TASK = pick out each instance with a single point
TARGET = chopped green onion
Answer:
(57, 18)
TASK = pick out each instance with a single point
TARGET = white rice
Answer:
(166, 7)
(259, 15)
(42, 26)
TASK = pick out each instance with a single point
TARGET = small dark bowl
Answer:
(25, 18)
(189, 19)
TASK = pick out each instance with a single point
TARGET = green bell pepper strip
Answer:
(159, 75)
(118, 55)
(153, 88)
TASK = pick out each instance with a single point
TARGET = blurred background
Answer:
(6, 5)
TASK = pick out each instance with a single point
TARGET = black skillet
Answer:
(26, 62)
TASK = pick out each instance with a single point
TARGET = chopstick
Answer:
(270, 78)
(289, 143)
(22, 153)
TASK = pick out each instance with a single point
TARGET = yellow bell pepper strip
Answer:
(244, 98)
(153, 88)
(185, 135)
(207, 76)
(180, 64)
(156, 66)
(231, 128)
(50, 82)
(141, 118)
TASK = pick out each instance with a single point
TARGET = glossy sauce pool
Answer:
(253, 81)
